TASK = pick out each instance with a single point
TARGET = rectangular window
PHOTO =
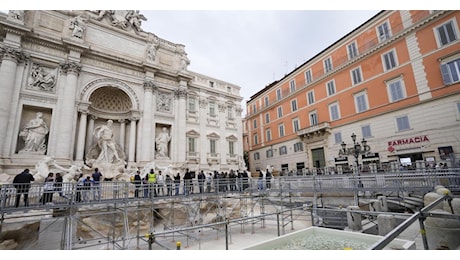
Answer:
(366, 131)
(278, 94)
(446, 33)
(389, 60)
(212, 146)
(191, 145)
(313, 118)
(330, 88)
(383, 31)
(256, 156)
(457, 105)
(311, 97)
(269, 153)
(256, 139)
(356, 76)
(212, 109)
(254, 108)
(280, 112)
(231, 147)
(293, 105)
(395, 90)
(402, 123)
(191, 104)
(327, 65)
(292, 85)
(268, 134)
(361, 102)
(296, 124)
(308, 77)
(254, 123)
(267, 118)
(451, 72)
(338, 138)
(230, 112)
(266, 101)
(334, 111)
(281, 130)
(283, 150)
(298, 147)
(352, 50)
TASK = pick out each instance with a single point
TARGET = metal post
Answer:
(226, 234)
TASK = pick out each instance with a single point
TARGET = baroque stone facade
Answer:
(80, 69)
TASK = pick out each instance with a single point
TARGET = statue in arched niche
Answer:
(34, 134)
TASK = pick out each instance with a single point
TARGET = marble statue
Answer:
(77, 26)
(34, 134)
(162, 141)
(104, 134)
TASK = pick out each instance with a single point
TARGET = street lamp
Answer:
(356, 150)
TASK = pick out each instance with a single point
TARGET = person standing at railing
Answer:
(96, 184)
(48, 190)
(201, 180)
(87, 183)
(160, 184)
(177, 183)
(169, 183)
(152, 180)
(208, 182)
(137, 183)
(80, 184)
(187, 181)
(58, 184)
(22, 184)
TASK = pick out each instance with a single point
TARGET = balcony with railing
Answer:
(315, 132)
(213, 158)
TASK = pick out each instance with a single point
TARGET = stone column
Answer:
(239, 126)
(81, 133)
(203, 140)
(223, 142)
(89, 133)
(11, 58)
(67, 111)
(180, 143)
(122, 133)
(147, 151)
(132, 141)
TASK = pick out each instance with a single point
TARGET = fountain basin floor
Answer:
(318, 238)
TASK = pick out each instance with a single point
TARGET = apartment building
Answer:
(393, 81)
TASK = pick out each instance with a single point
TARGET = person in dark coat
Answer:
(22, 184)
(137, 184)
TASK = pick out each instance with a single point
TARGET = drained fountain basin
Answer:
(317, 238)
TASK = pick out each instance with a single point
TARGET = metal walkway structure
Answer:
(131, 222)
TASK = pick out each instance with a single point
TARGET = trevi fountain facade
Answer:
(86, 89)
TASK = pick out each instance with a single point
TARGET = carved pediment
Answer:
(231, 138)
(213, 136)
(192, 133)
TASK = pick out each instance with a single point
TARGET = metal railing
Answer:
(115, 191)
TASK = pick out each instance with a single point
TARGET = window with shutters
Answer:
(446, 33)
(451, 71)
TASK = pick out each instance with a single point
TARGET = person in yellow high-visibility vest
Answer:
(152, 180)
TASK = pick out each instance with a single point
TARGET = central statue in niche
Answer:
(162, 142)
(106, 154)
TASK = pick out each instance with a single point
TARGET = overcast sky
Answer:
(249, 43)
(252, 48)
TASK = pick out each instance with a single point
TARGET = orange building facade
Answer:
(394, 81)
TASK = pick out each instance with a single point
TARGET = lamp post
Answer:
(356, 150)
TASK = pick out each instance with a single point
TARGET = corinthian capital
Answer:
(150, 85)
(181, 92)
(12, 54)
(71, 67)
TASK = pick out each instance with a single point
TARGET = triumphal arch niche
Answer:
(108, 105)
